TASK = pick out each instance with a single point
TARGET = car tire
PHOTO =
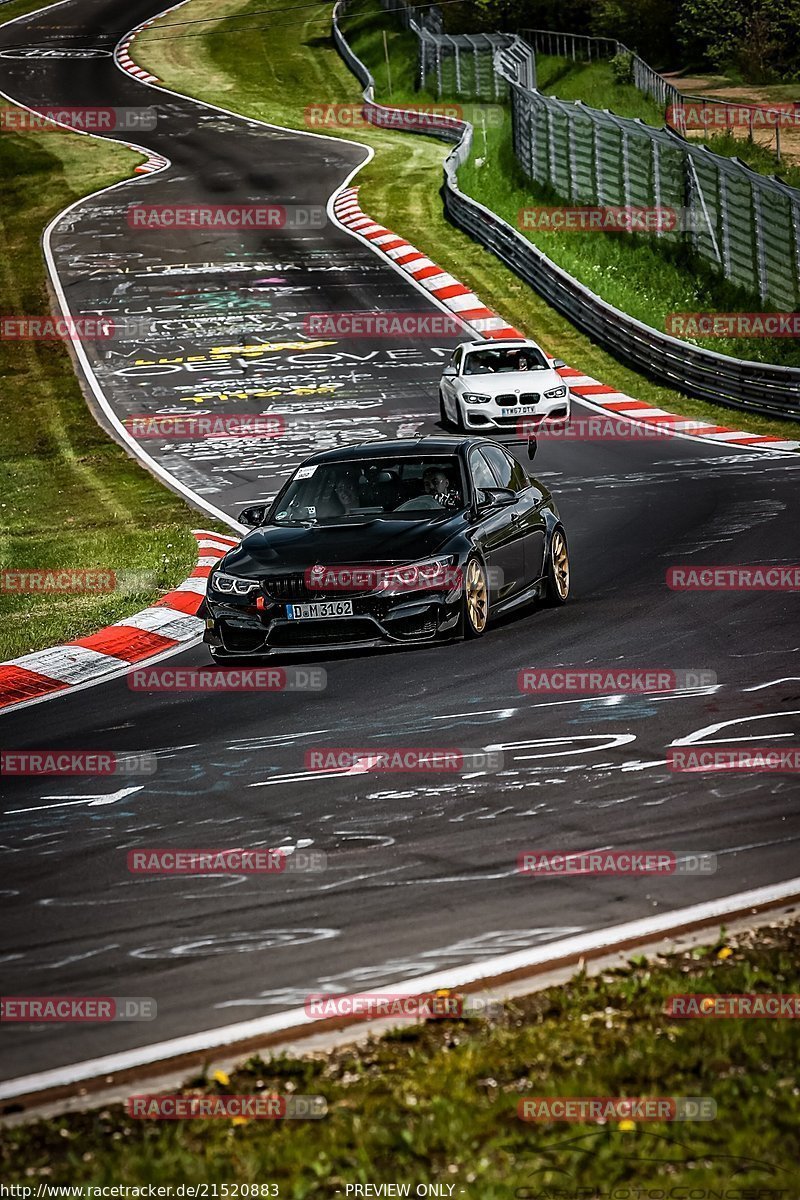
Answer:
(557, 575)
(476, 598)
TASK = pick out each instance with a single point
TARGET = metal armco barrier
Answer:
(737, 383)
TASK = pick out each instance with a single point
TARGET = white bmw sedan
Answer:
(495, 384)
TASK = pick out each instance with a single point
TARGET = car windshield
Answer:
(414, 488)
(503, 359)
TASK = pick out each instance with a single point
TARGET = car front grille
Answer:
(290, 587)
(322, 633)
(511, 399)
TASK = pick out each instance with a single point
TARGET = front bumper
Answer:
(495, 416)
(241, 629)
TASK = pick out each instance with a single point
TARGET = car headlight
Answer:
(232, 585)
(430, 574)
(476, 398)
(554, 393)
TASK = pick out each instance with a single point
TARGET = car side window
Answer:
(507, 470)
(479, 469)
(455, 361)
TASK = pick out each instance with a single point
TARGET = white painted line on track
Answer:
(483, 972)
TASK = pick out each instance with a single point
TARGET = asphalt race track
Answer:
(421, 868)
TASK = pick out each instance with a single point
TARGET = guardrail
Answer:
(737, 383)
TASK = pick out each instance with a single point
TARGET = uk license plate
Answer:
(322, 608)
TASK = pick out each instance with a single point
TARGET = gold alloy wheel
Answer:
(560, 564)
(477, 596)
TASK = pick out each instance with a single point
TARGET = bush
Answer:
(622, 67)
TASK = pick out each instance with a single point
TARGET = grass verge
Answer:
(71, 497)
(437, 1101)
(273, 67)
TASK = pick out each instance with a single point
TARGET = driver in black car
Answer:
(437, 492)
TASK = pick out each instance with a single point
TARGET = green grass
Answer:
(272, 68)
(71, 496)
(437, 1101)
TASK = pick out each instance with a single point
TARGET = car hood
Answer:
(511, 381)
(381, 540)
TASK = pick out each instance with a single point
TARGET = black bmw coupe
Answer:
(388, 543)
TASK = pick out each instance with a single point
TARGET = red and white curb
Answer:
(123, 58)
(170, 622)
(465, 304)
(122, 52)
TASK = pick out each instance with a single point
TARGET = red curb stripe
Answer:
(126, 643)
(601, 389)
(186, 602)
(477, 314)
(17, 684)
(451, 290)
(393, 245)
(428, 272)
(622, 406)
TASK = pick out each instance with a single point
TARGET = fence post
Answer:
(795, 207)
(599, 182)
(657, 183)
(758, 228)
(725, 232)
(572, 158)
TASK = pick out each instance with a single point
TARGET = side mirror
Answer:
(533, 446)
(558, 363)
(449, 373)
(253, 516)
(496, 497)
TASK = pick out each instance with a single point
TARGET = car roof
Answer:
(402, 448)
(499, 343)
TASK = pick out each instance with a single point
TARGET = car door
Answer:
(527, 512)
(498, 533)
(448, 383)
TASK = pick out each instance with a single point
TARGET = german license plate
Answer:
(322, 608)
